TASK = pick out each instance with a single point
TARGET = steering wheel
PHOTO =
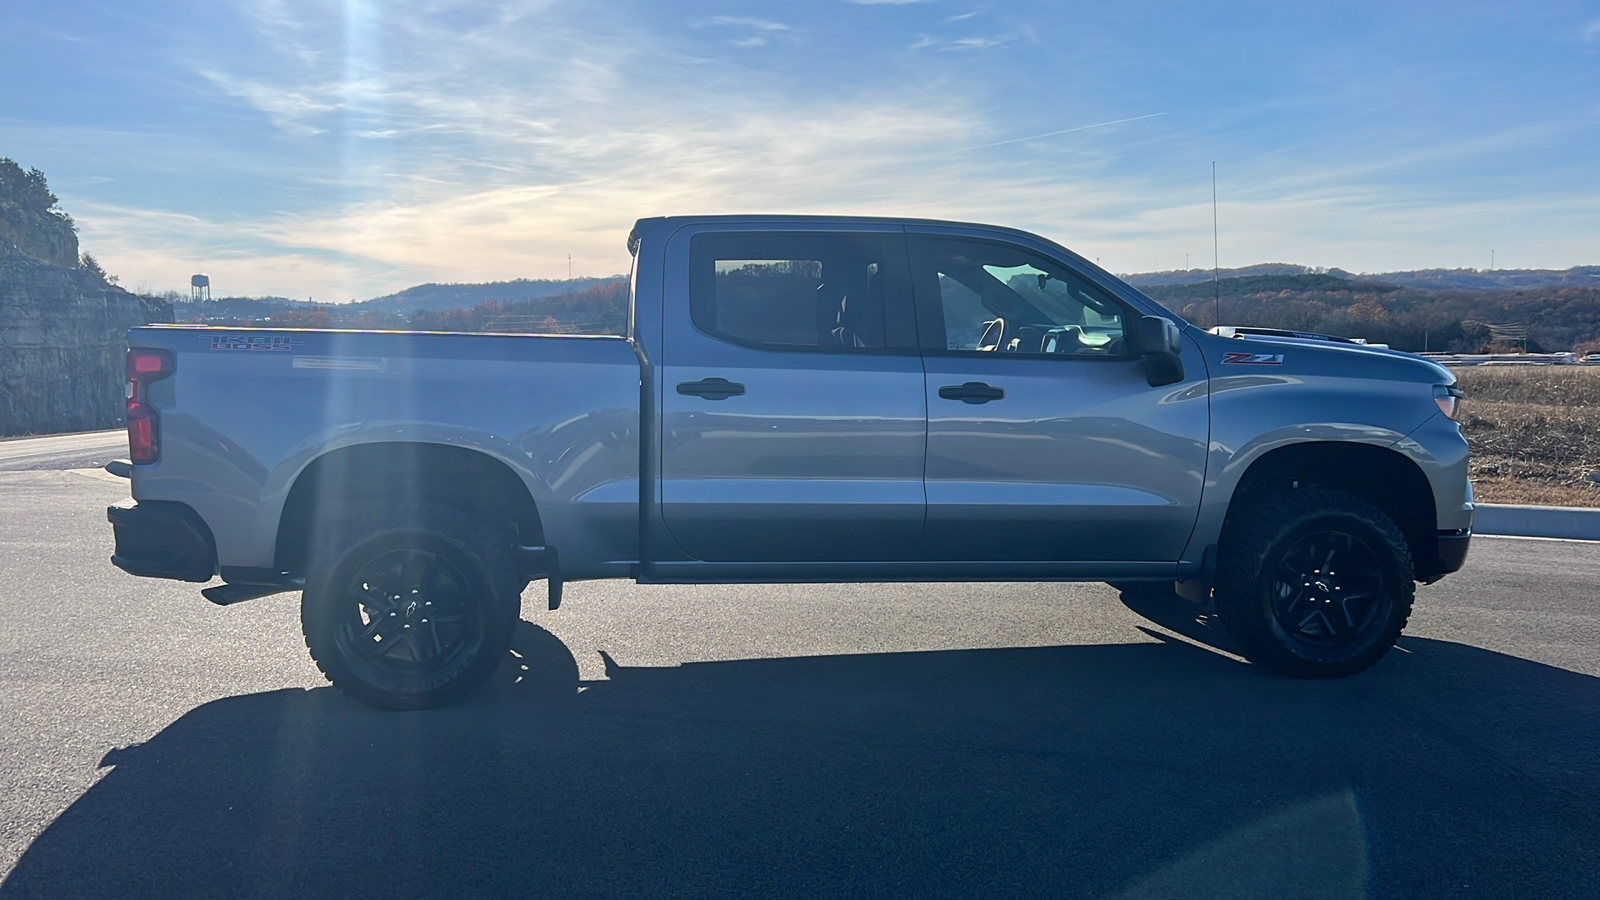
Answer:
(996, 327)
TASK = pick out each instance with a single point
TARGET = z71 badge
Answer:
(1238, 358)
(253, 342)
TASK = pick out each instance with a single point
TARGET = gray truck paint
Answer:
(834, 466)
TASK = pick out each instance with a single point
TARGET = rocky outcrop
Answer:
(31, 220)
(63, 336)
(54, 246)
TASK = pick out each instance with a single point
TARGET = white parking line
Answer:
(1527, 537)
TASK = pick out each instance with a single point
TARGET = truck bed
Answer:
(247, 410)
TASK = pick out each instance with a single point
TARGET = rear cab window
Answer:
(844, 293)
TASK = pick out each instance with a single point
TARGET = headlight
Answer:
(1448, 396)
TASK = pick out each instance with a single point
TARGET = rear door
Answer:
(793, 416)
(1046, 442)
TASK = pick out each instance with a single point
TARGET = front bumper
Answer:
(158, 539)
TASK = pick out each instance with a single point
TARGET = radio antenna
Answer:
(1216, 254)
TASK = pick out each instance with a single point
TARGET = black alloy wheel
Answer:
(411, 607)
(411, 611)
(1314, 583)
(1328, 592)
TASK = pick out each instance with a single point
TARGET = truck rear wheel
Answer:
(411, 608)
(1314, 583)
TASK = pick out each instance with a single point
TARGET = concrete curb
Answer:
(1576, 523)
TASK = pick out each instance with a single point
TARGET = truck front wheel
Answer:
(1314, 583)
(410, 608)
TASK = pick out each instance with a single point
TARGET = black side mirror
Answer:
(1159, 344)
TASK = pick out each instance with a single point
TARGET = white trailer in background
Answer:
(1458, 360)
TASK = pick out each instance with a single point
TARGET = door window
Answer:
(792, 291)
(996, 298)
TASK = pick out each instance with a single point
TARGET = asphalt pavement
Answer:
(89, 449)
(861, 740)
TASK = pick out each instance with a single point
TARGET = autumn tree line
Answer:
(599, 309)
(1557, 318)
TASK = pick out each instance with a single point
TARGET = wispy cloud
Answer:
(976, 43)
(766, 30)
(823, 159)
(747, 22)
(289, 110)
(54, 34)
(468, 174)
(1592, 32)
(1035, 137)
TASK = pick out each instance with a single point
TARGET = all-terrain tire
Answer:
(1314, 583)
(411, 607)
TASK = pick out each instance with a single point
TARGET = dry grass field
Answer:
(1534, 432)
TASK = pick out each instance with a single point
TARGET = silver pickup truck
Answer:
(797, 399)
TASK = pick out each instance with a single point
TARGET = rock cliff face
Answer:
(63, 335)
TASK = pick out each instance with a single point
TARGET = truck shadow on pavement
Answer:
(1143, 770)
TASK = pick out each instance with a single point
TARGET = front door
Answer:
(1046, 442)
(792, 408)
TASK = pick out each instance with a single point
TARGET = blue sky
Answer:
(348, 149)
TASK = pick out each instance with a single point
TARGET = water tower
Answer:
(199, 288)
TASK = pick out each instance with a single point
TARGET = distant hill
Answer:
(466, 296)
(599, 308)
(1195, 276)
(1491, 280)
(1424, 279)
(1406, 318)
(1171, 294)
(421, 298)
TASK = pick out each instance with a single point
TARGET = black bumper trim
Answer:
(159, 539)
(542, 562)
(1453, 550)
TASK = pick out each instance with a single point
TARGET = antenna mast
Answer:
(1216, 255)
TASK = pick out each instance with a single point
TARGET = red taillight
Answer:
(147, 362)
(144, 426)
(142, 446)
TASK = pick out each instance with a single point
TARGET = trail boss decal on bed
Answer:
(1239, 358)
(253, 342)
